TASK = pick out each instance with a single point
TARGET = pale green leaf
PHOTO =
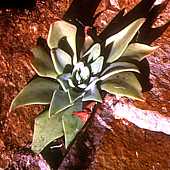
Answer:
(42, 63)
(97, 65)
(93, 82)
(60, 101)
(122, 39)
(71, 84)
(137, 51)
(82, 86)
(84, 73)
(74, 95)
(71, 123)
(59, 30)
(71, 126)
(38, 91)
(92, 94)
(93, 52)
(118, 67)
(124, 84)
(60, 59)
(81, 72)
(46, 130)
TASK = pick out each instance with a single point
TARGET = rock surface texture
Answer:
(109, 142)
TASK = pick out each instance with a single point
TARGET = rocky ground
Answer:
(107, 143)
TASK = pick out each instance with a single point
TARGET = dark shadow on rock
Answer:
(152, 33)
(79, 155)
(81, 152)
(120, 21)
(144, 69)
(143, 77)
(18, 4)
(53, 154)
(81, 12)
(143, 9)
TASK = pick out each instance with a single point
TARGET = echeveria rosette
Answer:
(64, 82)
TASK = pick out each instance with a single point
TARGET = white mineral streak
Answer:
(102, 122)
(42, 164)
(115, 3)
(146, 119)
(158, 2)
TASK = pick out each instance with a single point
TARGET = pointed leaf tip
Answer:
(124, 84)
(42, 63)
(137, 51)
(122, 39)
(38, 91)
(61, 29)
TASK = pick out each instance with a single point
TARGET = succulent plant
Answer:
(66, 80)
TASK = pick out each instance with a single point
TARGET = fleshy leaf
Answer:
(60, 59)
(82, 86)
(71, 126)
(93, 52)
(38, 91)
(137, 51)
(92, 83)
(71, 84)
(81, 72)
(97, 65)
(42, 63)
(118, 67)
(74, 95)
(60, 101)
(71, 123)
(124, 84)
(46, 130)
(92, 94)
(85, 73)
(122, 39)
(59, 30)
(63, 80)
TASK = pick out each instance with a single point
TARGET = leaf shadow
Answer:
(146, 34)
(81, 14)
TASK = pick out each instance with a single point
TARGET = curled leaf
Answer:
(97, 65)
(81, 72)
(137, 51)
(60, 59)
(122, 39)
(38, 91)
(93, 52)
(123, 84)
(62, 29)
(118, 67)
(42, 63)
